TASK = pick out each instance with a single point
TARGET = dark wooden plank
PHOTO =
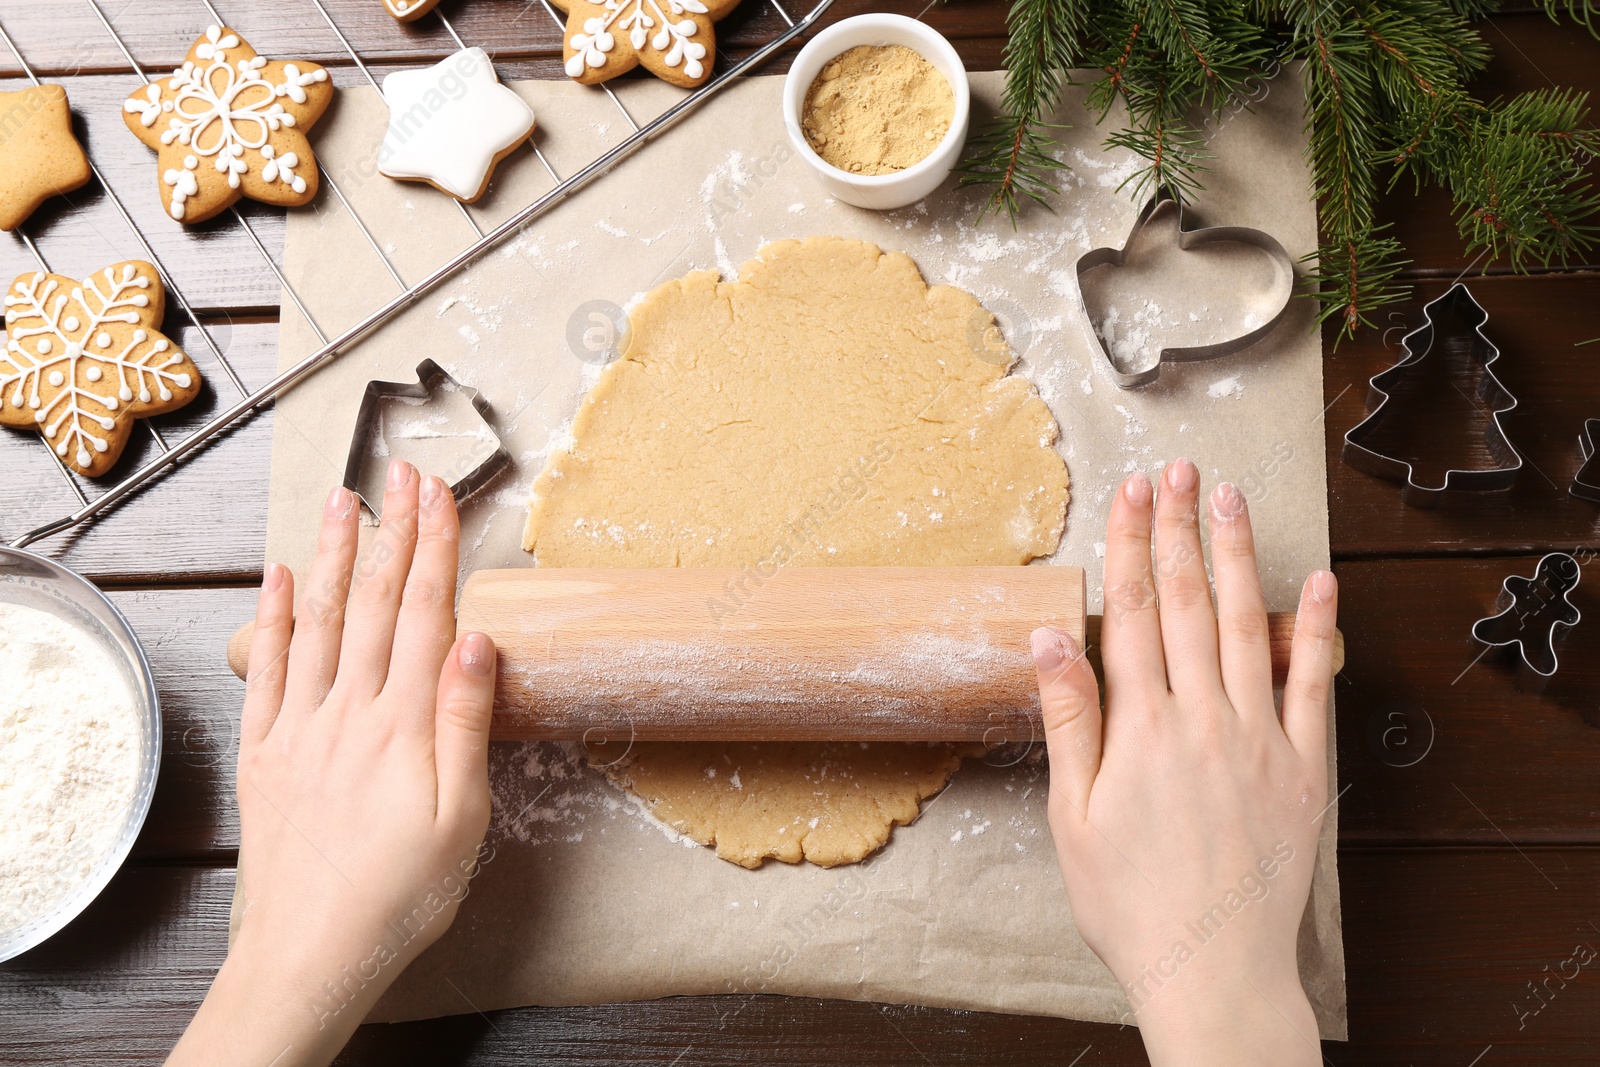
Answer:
(1441, 946)
(1437, 744)
(1538, 324)
(1530, 52)
(207, 519)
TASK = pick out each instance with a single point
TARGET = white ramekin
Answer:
(880, 191)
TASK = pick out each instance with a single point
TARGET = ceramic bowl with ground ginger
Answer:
(877, 106)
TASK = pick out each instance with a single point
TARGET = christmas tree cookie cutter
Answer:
(467, 452)
(1535, 612)
(1586, 483)
(1418, 344)
(1165, 202)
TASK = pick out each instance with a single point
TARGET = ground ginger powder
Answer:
(877, 110)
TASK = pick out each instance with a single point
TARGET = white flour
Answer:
(69, 759)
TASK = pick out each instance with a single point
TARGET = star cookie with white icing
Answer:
(229, 124)
(409, 10)
(451, 123)
(82, 360)
(672, 39)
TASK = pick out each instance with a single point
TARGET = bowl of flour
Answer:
(80, 746)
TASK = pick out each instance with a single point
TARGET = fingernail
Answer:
(1182, 475)
(339, 501)
(272, 580)
(399, 474)
(1227, 503)
(1052, 648)
(477, 655)
(433, 492)
(1137, 489)
(1322, 586)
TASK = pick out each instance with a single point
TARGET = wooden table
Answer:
(1469, 876)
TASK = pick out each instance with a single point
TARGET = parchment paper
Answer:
(583, 898)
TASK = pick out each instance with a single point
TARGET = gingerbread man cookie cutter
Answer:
(473, 463)
(1535, 613)
(1165, 202)
(1489, 390)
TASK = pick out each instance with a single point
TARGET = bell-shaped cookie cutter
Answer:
(482, 457)
(1535, 612)
(1418, 343)
(1163, 202)
(1586, 483)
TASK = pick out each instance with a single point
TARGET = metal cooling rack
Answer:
(172, 454)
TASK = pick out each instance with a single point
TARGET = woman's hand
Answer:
(363, 782)
(1186, 817)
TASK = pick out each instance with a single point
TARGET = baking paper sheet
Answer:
(583, 897)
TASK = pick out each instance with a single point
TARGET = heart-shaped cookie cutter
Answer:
(1163, 202)
(481, 457)
(1418, 343)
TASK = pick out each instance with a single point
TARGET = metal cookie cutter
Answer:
(1534, 612)
(1586, 483)
(480, 455)
(1418, 344)
(1163, 202)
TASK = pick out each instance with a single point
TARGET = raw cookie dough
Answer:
(828, 408)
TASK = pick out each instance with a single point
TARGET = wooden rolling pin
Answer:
(819, 653)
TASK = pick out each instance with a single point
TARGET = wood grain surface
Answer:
(1470, 802)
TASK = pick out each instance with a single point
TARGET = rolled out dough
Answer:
(827, 408)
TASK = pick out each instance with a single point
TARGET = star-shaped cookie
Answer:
(228, 124)
(449, 124)
(673, 39)
(39, 156)
(82, 360)
(409, 10)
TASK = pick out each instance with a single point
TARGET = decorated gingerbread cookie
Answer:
(82, 360)
(409, 10)
(39, 156)
(451, 123)
(673, 39)
(229, 124)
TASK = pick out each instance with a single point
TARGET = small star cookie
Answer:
(82, 360)
(451, 123)
(39, 156)
(229, 124)
(673, 39)
(409, 10)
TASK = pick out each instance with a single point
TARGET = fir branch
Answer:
(1013, 153)
(1356, 276)
(1584, 12)
(1387, 97)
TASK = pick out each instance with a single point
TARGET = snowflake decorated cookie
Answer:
(672, 39)
(82, 360)
(230, 124)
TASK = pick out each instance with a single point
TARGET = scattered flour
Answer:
(70, 738)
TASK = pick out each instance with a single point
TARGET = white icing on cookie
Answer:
(36, 308)
(223, 110)
(448, 122)
(593, 47)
